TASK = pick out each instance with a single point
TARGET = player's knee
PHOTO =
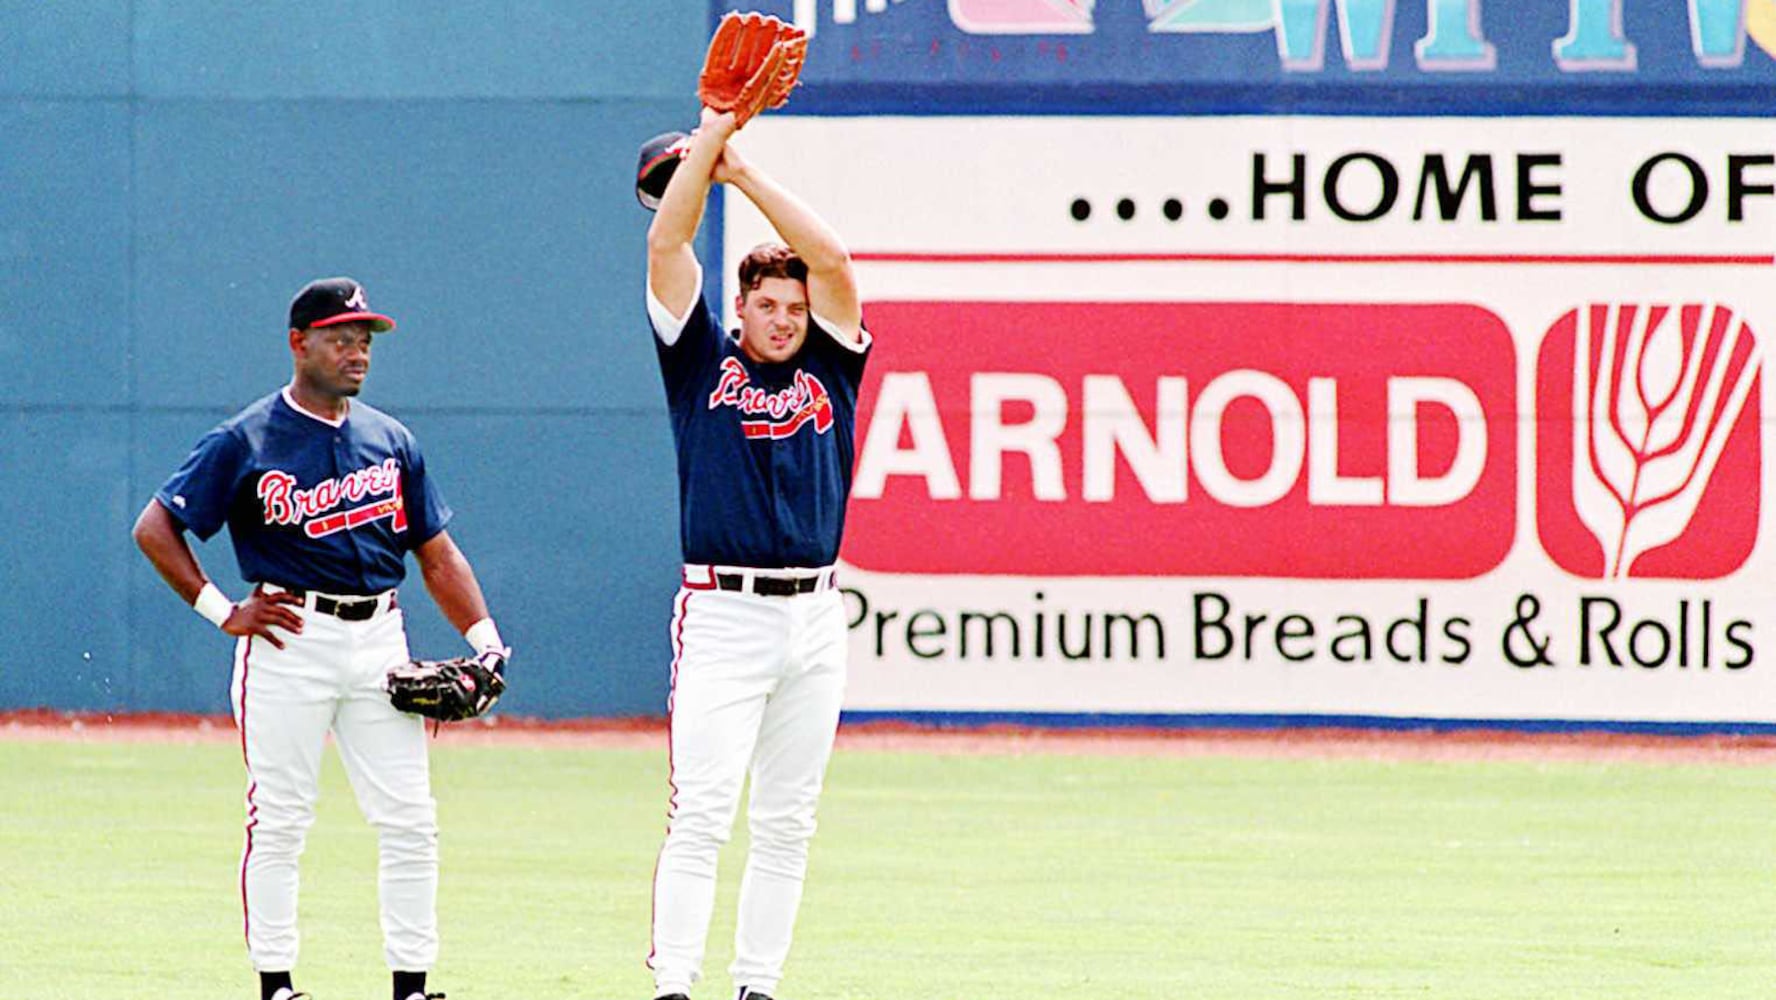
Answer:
(783, 834)
(268, 841)
(400, 845)
(700, 829)
(785, 858)
(270, 817)
(413, 821)
(780, 843)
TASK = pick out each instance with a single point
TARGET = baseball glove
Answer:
(448, 690)
(753, 62)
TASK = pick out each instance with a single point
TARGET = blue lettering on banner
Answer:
(1595, 39)
(1283, 56)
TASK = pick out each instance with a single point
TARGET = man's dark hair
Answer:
(770, 260)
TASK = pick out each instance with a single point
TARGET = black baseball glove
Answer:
(448, 690)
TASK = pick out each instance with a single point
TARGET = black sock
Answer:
(409, 983)
(271, 982)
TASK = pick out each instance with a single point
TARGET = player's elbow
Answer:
(664, 242)
(831, 259)
(151, 528)
(438, 556)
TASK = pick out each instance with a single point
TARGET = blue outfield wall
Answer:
(172, 173)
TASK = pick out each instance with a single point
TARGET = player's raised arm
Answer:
(832, 284)
(672, 264)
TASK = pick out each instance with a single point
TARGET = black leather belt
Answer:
(346, 611)
(360, 610)
(769, 586)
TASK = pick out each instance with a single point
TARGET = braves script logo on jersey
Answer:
(1649, 441)
(804, 401)
(285, 504)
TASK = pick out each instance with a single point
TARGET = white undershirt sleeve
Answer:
(667, 326)
(857, 346)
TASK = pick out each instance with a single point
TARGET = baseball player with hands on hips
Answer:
(763, 425)
(323, 497)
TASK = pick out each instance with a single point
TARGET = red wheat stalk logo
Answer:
(1656, 392)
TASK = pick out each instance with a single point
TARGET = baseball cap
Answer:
(331, 301)
(658, 162)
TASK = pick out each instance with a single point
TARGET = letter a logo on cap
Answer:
(357, 300)
(1648, 447)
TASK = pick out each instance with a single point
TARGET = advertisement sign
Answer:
(1342, 57)
(1402, 417)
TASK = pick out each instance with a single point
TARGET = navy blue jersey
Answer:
(764, 450)
(310, 504)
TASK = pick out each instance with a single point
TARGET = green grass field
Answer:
(940, 877)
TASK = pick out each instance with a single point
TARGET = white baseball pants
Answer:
(330, 678)
(757, 683)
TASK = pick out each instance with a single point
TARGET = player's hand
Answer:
(260, 611)
(727, 169)
(494, 660)
(720, 124)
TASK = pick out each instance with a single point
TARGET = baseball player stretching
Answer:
(763, 427)
(323, 496)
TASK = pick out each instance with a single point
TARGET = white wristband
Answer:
(213, 605)
(483, 636)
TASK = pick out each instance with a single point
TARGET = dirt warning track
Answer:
(882, 737)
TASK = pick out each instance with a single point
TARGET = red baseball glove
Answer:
(753, 62)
